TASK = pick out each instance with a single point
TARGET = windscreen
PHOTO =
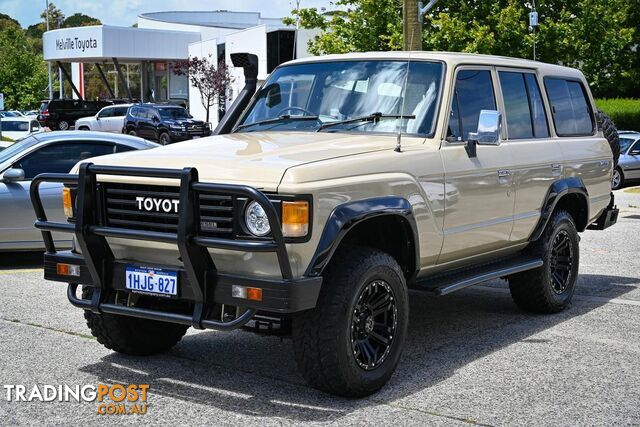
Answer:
(335, 92)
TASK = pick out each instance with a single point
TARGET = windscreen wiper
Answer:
(373, 117)
(281, 118)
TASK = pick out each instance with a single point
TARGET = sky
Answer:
(125, 12)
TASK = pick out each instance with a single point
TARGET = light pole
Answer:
(533, 23)
(49, 62)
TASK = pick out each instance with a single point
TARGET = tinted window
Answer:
(119, 111)
(636, 146)
(107, 112)
(516, 103)
(123, 148)
(569, 106)
(60, 158)
(525, 115)
(540, 123)
(474, 92)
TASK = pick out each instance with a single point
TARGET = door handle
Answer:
(556, 169)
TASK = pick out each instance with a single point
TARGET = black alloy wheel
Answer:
(373, 325)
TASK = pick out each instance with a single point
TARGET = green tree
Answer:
(80, 20)
(601, 37)
(23, 74)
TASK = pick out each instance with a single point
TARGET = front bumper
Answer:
(178, 135)
(200, 283)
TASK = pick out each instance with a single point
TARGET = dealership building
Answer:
(160, 39)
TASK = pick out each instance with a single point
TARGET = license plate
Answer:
(196, 136)
(151, 280)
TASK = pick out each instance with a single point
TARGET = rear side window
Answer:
(120, 111)
(525, 113)
(473, 93)
(107, 112)
(571, 111)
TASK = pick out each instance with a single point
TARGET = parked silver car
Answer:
(55, 152)
(629, 163)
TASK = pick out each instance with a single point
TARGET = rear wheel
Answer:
(350, 344)
(550, 288)
(131, 335)
(63, 125)
(617, 180)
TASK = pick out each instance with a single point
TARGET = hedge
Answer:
(624, 112)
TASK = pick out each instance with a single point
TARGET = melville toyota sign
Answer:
(76, 43)
(68, 43)
(104, 42)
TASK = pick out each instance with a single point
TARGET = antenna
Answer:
(398, 148)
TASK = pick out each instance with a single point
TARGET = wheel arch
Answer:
(363, 222)
(569, 194)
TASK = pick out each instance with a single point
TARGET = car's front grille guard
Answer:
(198, 265)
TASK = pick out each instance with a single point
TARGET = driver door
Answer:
(480, 190)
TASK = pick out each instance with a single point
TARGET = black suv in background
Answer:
(62, 113)
(164, 123)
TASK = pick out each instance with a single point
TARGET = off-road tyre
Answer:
(131, 335)
(164, 138)
(611, 134)
(322, 337)
(540, 290)
(132, 132)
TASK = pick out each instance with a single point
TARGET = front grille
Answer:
(121, 209)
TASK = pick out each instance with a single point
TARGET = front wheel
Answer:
(63, 125)
(350, 344)
(132, 335)
(550, 288)
(617, 180)
(132, 132)
(164, 138)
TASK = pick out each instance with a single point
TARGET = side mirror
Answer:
(35, 129)
(488, 133)
(273, 96)
(97, 117)
(155, 119)
(13, 175)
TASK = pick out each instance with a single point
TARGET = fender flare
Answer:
(346, 216)
(557, 190)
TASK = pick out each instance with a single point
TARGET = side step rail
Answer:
(443, 284)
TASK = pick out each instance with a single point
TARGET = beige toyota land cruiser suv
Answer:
(326, 194)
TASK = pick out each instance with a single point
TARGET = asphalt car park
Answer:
(471, 358)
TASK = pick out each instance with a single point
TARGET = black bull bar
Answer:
(204, 282)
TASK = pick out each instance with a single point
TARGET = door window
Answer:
(525, 115)
(635, 149)
(570, 108)
(60, 158)
(107, 112)
(473, 93)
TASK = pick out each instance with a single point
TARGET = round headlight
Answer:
(256, 220)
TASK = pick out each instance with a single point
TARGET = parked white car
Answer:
(109, 119)
(16, 128)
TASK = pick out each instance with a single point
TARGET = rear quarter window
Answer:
(570, 107)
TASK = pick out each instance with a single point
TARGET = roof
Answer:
(80, 135)
(451, 58)
(18, 119)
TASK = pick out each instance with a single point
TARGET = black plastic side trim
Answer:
(344, 217)
(560, 188)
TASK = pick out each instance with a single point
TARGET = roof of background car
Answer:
(452, 58)
(81, 135)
